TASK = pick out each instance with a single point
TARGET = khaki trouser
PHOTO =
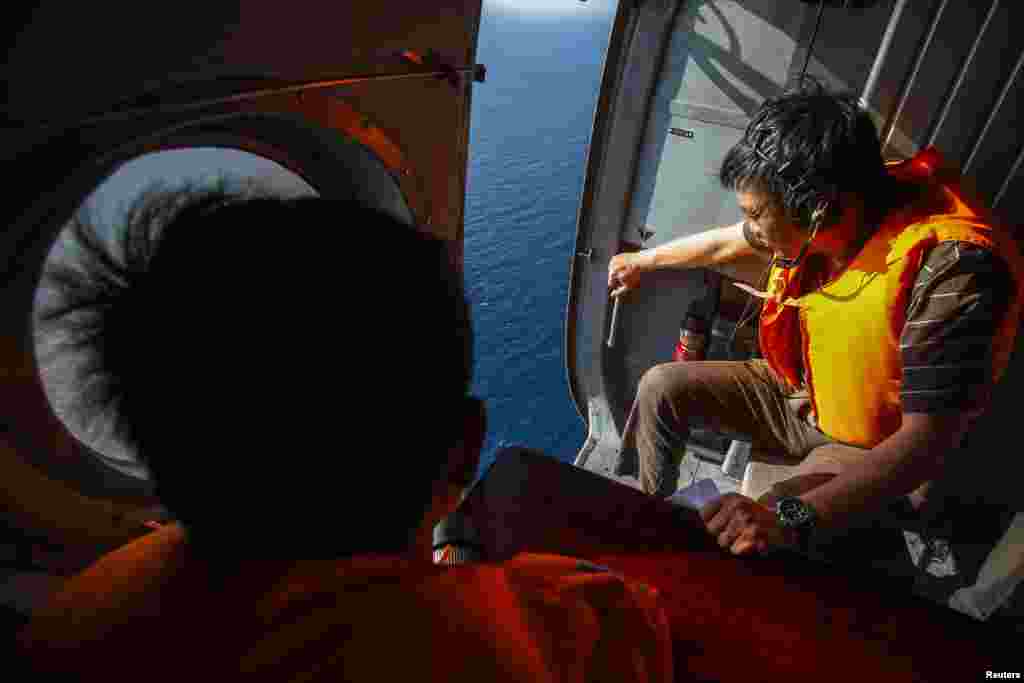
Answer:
(742, 398)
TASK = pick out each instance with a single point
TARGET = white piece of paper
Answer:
(696, 495)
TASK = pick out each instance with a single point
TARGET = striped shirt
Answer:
(957, 302)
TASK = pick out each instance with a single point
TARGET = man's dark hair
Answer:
(805, 147)
(292, 372)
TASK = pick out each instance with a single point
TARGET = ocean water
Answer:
(530, 131)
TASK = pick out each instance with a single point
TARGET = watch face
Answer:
(793, 511)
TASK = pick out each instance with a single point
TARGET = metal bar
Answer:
(908, 86)
(615, 321)
(993, 113)
(876, 69)
(960, 76)
(1010, 176)
(265, 92)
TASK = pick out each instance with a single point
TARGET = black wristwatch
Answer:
(795, 514)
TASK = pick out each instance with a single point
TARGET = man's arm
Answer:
(895, 467)
(913, 455)
(709, 249)
(958, 299)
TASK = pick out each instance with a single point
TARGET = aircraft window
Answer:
(199, 167)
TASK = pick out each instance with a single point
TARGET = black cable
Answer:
(814, 38)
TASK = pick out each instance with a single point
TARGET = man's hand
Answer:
(744, 526)
(624, 272)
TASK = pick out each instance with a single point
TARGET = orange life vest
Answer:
(842, 339)
(535, 617)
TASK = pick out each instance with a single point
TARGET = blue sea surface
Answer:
(530, 130)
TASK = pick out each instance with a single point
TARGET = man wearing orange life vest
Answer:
(890, 310)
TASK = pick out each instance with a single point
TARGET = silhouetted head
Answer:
(294, 373)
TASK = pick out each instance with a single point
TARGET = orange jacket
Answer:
(151, 611)
(844, 336)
